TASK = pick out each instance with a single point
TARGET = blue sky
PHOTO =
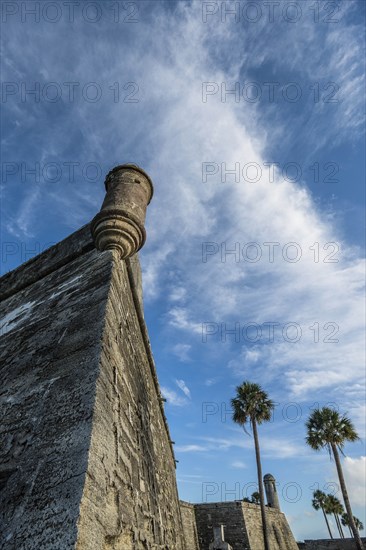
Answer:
(149, 84)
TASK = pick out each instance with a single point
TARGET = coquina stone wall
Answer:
(85, 455)
(280, 534)
(189, 525)
(130, 489)
(243, 526)
(229, 514)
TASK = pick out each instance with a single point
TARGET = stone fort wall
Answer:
(243, 526)
(189, 525)
(85, 454)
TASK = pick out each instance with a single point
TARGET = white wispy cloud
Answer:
(238, 464)
(191, 448)
(178, 318)
(178, 294)
(182, 351)
(211, 381)
(173, 398)
(183, 386)
(271, 446)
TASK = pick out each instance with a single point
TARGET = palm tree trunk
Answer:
(347, 503)
(260, 485)
(337, 524)
(340, 527)
(327, 522)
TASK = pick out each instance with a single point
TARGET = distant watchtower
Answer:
(271, 491)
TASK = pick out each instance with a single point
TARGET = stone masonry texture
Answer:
(243, 526)
(189, 525)
(85, 455)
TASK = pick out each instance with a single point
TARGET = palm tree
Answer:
(252, 405)
(358, 523)
(335, 507)
(327, 428)
(345, 522)
(319, 502)
(256, 498)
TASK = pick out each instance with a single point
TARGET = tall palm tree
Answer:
(326, 428)
(319, 502)
(336, 508)
(252, 405)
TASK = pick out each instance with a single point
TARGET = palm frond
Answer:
(326, 427)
